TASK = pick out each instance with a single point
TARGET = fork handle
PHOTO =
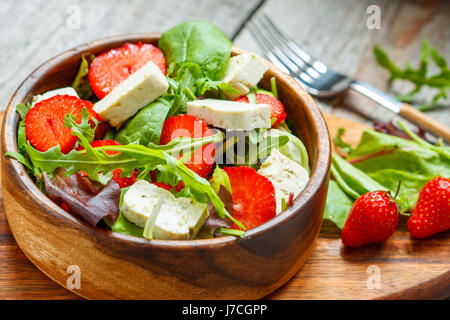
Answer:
(424, 121)
(403, 109)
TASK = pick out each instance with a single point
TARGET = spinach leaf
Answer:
(199, 42)
(338, 205)
(146, 126)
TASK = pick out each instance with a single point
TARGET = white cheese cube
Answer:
(49, 94)
(286, 175)
(178, 219)
(230, 114)
(139, 89)
(244, 71)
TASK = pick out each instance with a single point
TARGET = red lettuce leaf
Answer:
(84, 198)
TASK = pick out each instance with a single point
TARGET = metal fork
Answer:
(321, 81)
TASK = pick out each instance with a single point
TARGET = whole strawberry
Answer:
(432, 212)
(373, 218)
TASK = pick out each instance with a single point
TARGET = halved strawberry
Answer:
(121, 181)
(44, 123)
(112, 67)
(276, 107)
(189, 126)
(253, 197)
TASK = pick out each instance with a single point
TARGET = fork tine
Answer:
(279, 45)
(294, 48)
(275, 59)
(269, 33)
(293, 69)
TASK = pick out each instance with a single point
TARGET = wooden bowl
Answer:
(113, 265)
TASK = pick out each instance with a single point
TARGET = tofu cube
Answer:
(138, 90)
(244, 71)
(178, 219)
(231, 115)
(286, 175)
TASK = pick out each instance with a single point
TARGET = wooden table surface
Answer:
(333, 30)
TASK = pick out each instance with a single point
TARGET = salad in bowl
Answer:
(174, 141)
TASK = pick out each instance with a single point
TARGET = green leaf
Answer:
(220, 178)
(338, 205)
(21, 137)
(81, 83)
(84, 127)
(22, 109)
(95, 160)
(294, 148)
(146, 126)
(354, 178)
(338, 142)
(122, 225)
(419, 76)
(19, 157)
(388, 159)
(198, 42)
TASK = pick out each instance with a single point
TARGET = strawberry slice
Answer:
(189, 126)
(112, 67)
(44, 123)
(253, 197)
(123, 182)
(276, 107)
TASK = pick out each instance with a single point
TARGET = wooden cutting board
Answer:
(400, 268)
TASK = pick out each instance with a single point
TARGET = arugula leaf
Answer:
(19, 157)
(338, 142)
(84, 128)
(95, 160)
(419, 77)
(81, 82)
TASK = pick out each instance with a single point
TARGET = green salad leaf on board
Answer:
(380, 162)
(338, 204)
(419, 77)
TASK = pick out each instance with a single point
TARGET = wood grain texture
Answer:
(332, 30)
(225, 267)
(33, 31)
(409, 269)
(335, 32)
